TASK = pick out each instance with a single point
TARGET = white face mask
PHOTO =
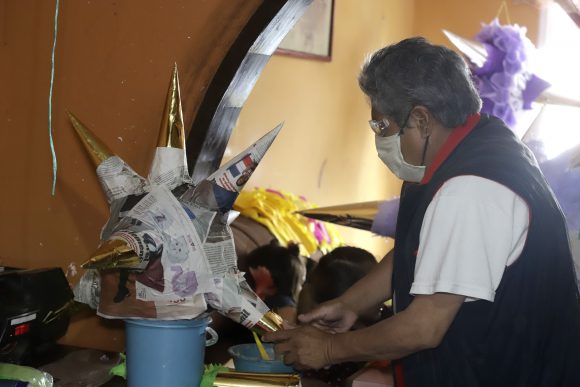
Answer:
(389, 150)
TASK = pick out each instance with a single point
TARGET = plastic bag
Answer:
(34, 377)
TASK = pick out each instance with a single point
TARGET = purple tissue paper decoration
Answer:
(505, 83)
(534, 88)
(385, 222)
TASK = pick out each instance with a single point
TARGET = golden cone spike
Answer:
(172, 132)
(97, 150)
(169, 166)
(270, 322)
(113, 254)
(357, 215)
(476, 53)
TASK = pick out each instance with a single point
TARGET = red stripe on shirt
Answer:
(398, 373)
(456, 136)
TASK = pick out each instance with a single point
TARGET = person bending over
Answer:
(482, 278)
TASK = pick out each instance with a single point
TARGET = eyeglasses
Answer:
(380, 126)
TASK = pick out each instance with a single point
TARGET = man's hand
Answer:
(303, 348)
(333, 316)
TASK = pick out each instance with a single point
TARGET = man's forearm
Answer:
(421, 326)
(373, 289)
(389, 339)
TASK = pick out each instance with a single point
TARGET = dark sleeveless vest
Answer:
(530, 335)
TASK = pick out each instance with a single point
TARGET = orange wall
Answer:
(113, 61)
(326, 151)
(113, 64)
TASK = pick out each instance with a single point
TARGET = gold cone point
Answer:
(96, 149)
(113, 254)
(172, 132)
(270, 322)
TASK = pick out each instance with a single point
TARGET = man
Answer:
(482, 278)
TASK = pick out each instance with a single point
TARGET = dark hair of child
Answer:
(339, 270)
(286, 269)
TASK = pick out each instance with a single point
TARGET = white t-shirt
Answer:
(473, 229)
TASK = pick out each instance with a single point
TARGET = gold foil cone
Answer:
(172, 132)
(358, 215)
(247, 379)
(97, 150)
(270, 322)
(113, 254)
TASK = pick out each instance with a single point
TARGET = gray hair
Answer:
(415, 72)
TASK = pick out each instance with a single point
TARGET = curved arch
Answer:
(234, 80)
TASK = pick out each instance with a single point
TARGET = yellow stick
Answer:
(261, 349)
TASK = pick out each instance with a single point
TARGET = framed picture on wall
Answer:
(311, 37)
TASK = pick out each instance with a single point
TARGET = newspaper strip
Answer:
(170, 308)
(146, 243)
(88, 290)
(182, 256)
(232, 215)
(219, 246)
(219, 191)
(114, 217)
(118, 179)
(253, 308)
(168, 168)
(235, 173)
(236, 300)
(201, 218)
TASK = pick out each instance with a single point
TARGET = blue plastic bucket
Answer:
(166, 353)
(247, 359)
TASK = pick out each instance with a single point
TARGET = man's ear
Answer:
(422, 119)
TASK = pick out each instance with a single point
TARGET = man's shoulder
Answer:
(478, 189)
